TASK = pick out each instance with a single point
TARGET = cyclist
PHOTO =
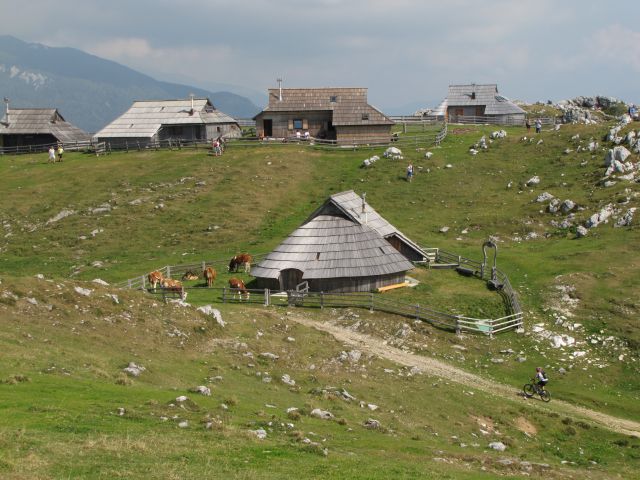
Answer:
(541, 378)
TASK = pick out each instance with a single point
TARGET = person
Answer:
(60, 152)
(527, 124)
(409, 172)
(216, 147)
(538, 125)
(541, 378)
(297, 134)
(52, 154)
(306, 135)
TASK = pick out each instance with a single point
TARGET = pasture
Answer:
(138, 211)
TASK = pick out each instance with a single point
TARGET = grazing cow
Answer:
(190, 275)
(155, 278)
(171, 285)
(209, 274)
(242, 260)
(240, 290)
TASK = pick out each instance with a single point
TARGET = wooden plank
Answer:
(392, 287)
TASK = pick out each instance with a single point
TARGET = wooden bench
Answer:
(392, 287)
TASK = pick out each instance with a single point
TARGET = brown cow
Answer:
(244, 260)
(209, 274)
(239, 287)
(190, 275)
(155, 278)
(171, 285)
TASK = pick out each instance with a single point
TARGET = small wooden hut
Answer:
(340, 114)
(341, 247)
(480, 102)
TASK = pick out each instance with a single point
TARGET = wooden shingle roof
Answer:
(349, 105)
(487, 95)
(36, 121)
(333, 246)
(146, 117)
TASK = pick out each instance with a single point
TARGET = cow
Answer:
(190, 275)
(242, 260)
(209, 274)
(155, 278)
(170, 285)
(240, 290)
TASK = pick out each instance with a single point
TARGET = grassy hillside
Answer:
(133, 212)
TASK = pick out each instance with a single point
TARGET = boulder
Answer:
(581, 231)
(600, 217)
(567, 206)
(543, 197)
(85, 292)
(535, 180)
(323, 414)
(499, 446)
(260, 433)
(214, 312)
(626, 219)
(133, 369)
(286, 379)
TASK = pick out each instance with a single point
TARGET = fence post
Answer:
(224, 294)
(266, 297)
(417, 311)
(144, 282)
(129, 283)
(321, 300)
(204, 265)
(371, 304)
(458, 327)
(168, 271)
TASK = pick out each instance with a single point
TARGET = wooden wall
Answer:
(314, 122)
(363, 133)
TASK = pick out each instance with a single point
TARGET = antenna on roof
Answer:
(279, 80)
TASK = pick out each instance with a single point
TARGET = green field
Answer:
(63, 353)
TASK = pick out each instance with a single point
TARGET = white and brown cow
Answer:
(171, 285)
(209, 274)
(242, 260)
(240, 290)
(155, 278)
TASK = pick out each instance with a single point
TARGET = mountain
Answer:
(89, 91)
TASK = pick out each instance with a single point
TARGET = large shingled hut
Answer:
(344, 246)
(480, 103)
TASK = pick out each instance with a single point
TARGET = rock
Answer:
(82, 291)
(372, 407)
(521, 359)
(567, 206)
(444, 230)
(626, 219)
(97, 264)
(372, 424)
(100, 282)
(96, 232)
(554, 206)
(181, 399)
(214, 312)
(121, 411)
(40, 276)
(133, 369)
(428, 155)
(448, 165)
(183, 424)
(499, 134)
(618, 153)
(393, 153)
(261, 433)
(323, 414)
(581, 231)
(499, 446)
(535, 180)
(31, 300)
(269, 356)
(602, 216)
(63, 214)
(558, 341)
(113, 297)
(562, 371)
(202, 390)
(543, 197)
(497, 360)
(286, 379)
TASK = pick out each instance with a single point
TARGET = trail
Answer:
(375, 346)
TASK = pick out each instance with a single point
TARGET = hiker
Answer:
(52, 154)
(60, 152)
(538, 125)
(527, 124)
(409, 172)
(541, 377)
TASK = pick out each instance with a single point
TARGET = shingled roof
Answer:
(349, 105)
(38, 121)
(146, 117)
(495, 104)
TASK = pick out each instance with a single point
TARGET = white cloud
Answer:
(617, 43)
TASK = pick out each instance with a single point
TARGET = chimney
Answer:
(6, 103)
(191, 95)
(364, 209)
(280, 89)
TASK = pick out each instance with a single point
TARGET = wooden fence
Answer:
(370, 301)
(489, 120)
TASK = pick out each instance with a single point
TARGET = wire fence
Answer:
(371, 301)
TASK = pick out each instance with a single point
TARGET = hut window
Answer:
(473, 95)
(318, 256)
(333, 98)
(365, 116)
(297, 124)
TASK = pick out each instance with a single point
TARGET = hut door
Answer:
(289, 278)
(268, 127)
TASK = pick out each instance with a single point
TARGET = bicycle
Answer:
(530, 389)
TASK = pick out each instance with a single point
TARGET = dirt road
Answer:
(375, 346)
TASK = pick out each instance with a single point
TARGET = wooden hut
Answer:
(150, 121)
(37, 128)
(339, 114)
(480, 102)
(344, 246)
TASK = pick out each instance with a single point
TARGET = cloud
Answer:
(617, 43)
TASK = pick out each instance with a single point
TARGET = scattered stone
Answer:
(133, 369)
(82, 291)
(543, 197)
(63, 214)
(113, 297)
(214, 312)
(100, 282)
(499, 446)
(372, 424)
(183, 424)
(269, 356)
(626, 219)
(535, 180)
(31, 300)
(286, 379)
(567, 206)
(428, 155)
(444, 229)
(323, 414)
(202, 390)
(261, 433)
(121, 411)
(581, 231)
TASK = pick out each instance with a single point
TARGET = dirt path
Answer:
(431, 366)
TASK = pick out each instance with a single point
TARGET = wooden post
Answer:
(404, 127)
(204, 265)
(458, 328)
(144, 282)
(224, 294)
(266, 297)
(168, 271)
(371, 305)
(321, 300)
(129, 282)
(417, 311)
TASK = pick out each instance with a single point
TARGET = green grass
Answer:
(62, 422)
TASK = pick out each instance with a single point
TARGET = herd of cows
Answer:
(243, 261)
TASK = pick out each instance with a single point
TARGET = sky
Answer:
(406, 52)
